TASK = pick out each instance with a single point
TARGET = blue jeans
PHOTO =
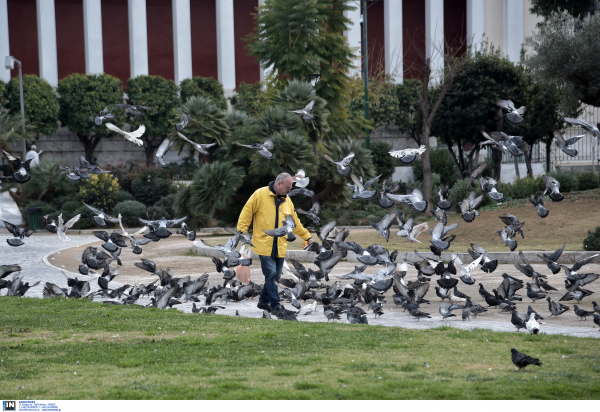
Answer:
(271, 268)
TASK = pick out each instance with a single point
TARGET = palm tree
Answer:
(11, 129)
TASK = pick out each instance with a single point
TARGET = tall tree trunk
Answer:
(89, 145)
(548, 152)
(149, 149)
(528, 156)
(516, 160)
(461, 154)
(453, 156)
(427, 183)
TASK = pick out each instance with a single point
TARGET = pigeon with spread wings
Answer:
(201, 148)
(63, 227)
(133, 109)
(263, 148)
(101, 217)
(469, 205)
(513, 115)
(563, 144)
(160, 226)
(132, 136)
(359, 190)
(590, 128)
(407, 156)
(474, 172)
(313, 213)
(286, 229)
(19, 234)
(383, 226)
(343, 166)
(415, 199)
(510, 145)
(21, 167)
(306, 111)
(102, 116)
(162, 150)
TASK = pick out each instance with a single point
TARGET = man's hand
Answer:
(309, 241)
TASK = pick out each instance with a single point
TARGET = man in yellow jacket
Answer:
(266, 210)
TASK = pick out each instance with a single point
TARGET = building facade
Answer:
(179, 39)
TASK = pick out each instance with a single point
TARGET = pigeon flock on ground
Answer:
(307, 284)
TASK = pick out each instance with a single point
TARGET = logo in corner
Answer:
(9, 405)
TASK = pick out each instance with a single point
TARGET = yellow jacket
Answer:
(261, 208)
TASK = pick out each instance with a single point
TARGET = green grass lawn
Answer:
(73, 349)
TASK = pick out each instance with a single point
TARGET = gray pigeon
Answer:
(102, 116)
(343, 166)
(306, 111)
(286, 229)
(563, 144)
(553, 186)
(521, 360)
(415, 199)
(513, 115)
(538, 202)
(590, 128)
(383, 227)
(263, 148)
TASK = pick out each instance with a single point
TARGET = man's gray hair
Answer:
(282, 177)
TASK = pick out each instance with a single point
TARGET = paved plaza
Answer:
(43, 255)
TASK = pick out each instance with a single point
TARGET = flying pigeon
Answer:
(183, 122)
(504, 235)
(469, 205)
(286, 229)
(444, 193)
(164, 147)
(132, 136)
(263, 148)
(553, 186)
(513, 115)
(563, 144)
(300, 179)
(301, 191)
(306, 111)
(132, 108)
(407, 156)
(409, 230)
(538, 202)
(104, 115)
(415, 199)
(342, 166)
(160, 226)
(359, 190)
(101, 217)
(313, 213)
(439, 238)
(63, 227)
(201, 148)
(490, 187)
(22, 167)
(18, 234)
(509, 145)
(590, 128)
(382, 199)
(383, 227)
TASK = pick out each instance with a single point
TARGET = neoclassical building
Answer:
(178, 39)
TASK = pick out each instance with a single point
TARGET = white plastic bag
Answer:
(243, 272)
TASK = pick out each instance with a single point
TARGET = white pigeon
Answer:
(200, 148)
(300, 179)
(131, 136)
(62, 227)
(310, 308)
(407, 156)
(532, 325)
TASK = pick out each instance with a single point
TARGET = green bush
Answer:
(122, 196)
(567, 179)
(522, 188)
(249, 98)
(385, 164)
(588, 181)
(99, 191)
(592, 241)
(70, 206)
(165, 207)
(150, 184)
(124, 174)
(48, 183)
(204, 86)
(130, 211)
(441, 163)
(182, 171)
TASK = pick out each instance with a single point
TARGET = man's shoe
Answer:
(264, 307)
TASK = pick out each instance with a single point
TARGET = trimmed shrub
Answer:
(130, 211)
(441, 163)
(99, 191)
(592, 241)
(459, 192)
(204, 86)
(385, 164)
(522, 188)
(165, 207)
(122, 196)
(588, 181)
(70, 206)
(123, 173)
(150, 184)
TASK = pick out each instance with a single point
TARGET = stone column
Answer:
(182, 40)
(4, 43)
(434, 36)
(226, 45)
(513, 29)
(392, 26)
(475, 21)
(46, 25)
(92, 33)
(138, 37)
(354, 38)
